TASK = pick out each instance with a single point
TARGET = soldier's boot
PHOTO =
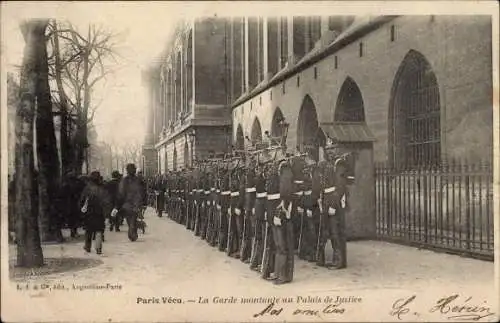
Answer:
(197, 221)
(320, 255)
(256, 256)
(280, 269)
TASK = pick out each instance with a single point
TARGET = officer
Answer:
(297, 164)
(333, 203)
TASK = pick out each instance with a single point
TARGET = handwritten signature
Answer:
(450, 306)
(274, 310)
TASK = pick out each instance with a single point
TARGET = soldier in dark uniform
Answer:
(233, 232)
(198, 200)
(273, 202)
(248, 214)
(333, 202)
(310, 212)
(224, 204)
(297, 167)
(160, 195)
(259, 218)
(283, 226)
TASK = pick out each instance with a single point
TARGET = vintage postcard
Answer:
(281, 161)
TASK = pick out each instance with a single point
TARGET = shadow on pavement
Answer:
(52, 266)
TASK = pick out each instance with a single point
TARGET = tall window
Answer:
(314, 31)
(299, 37)
(283, 41)
(415, 114)
(350, 107)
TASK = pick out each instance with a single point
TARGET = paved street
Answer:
(170, 261)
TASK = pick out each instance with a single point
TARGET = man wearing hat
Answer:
(131, 200)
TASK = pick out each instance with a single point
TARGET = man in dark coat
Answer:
(131, 200)
(112, 188)
(94, 203)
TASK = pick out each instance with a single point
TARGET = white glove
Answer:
(276, 221)
(218, 207)
(85, 206)
(237, 211)
(114, 212)
(309, 213)
(253, 210)
(229, 211)
(300, 210)
(331, 211)
(342, 201)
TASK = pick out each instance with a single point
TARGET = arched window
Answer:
(276, 128)
(240, 138)
(414, 112)
(256, 134)
(349, 107)
(307, 129)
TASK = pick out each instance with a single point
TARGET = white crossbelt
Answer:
(225, 193)
(199, 191)
(300, 193)
(273, 196)
(207, 192)
(262, 194)
(235, 193)
(298, 182)
(217, 191)
(308, 192)
(330, 189)
(250, 189)
(212, 189)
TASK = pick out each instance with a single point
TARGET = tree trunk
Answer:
(66, 159)
(48, 159)
(29, 250)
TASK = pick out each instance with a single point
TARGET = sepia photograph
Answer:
(281, 161)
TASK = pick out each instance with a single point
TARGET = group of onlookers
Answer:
(87, 201)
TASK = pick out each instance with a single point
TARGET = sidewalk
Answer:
(170, 261)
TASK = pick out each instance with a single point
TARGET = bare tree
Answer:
(79, 63)
(29, 250)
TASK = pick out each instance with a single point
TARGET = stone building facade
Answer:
(189, 112)
(420, 86)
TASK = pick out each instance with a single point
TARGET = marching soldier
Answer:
(333, 203)
(198, 180)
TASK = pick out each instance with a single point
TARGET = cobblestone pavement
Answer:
(169, 261)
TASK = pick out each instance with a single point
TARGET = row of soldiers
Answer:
(263, 206)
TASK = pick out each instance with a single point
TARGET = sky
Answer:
(144, 31)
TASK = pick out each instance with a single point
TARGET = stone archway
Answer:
(307, 128)
(414, 114)
(240, 138)
(276, 128)
(256, 134)
(350, 106)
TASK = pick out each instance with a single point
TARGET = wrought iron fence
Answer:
(447, 207)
